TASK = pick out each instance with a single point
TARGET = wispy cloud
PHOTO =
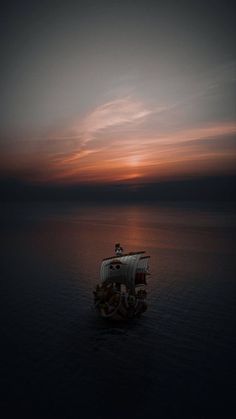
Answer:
(111, 115)
(105, 119)
(134, 154)
(123, 139)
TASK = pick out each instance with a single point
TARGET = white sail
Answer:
(143, 265)
(120, 269)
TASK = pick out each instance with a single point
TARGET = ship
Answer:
(121, 293)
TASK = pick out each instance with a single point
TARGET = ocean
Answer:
(59, 360)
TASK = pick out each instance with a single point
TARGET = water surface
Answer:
(60, 360)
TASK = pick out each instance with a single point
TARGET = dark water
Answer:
(58, 360)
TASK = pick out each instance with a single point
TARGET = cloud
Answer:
(104, 120)
(123, 139)
(111, 115)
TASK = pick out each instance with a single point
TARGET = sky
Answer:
(112, 91)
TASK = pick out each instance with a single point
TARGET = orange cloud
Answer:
(121, 139)
(130, 154)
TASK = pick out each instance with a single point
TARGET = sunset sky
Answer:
(103, 91)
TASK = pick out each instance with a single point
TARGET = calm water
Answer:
(58, 360)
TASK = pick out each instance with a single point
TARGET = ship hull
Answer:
(119, 306)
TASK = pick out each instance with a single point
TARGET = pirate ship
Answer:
(121, 294)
